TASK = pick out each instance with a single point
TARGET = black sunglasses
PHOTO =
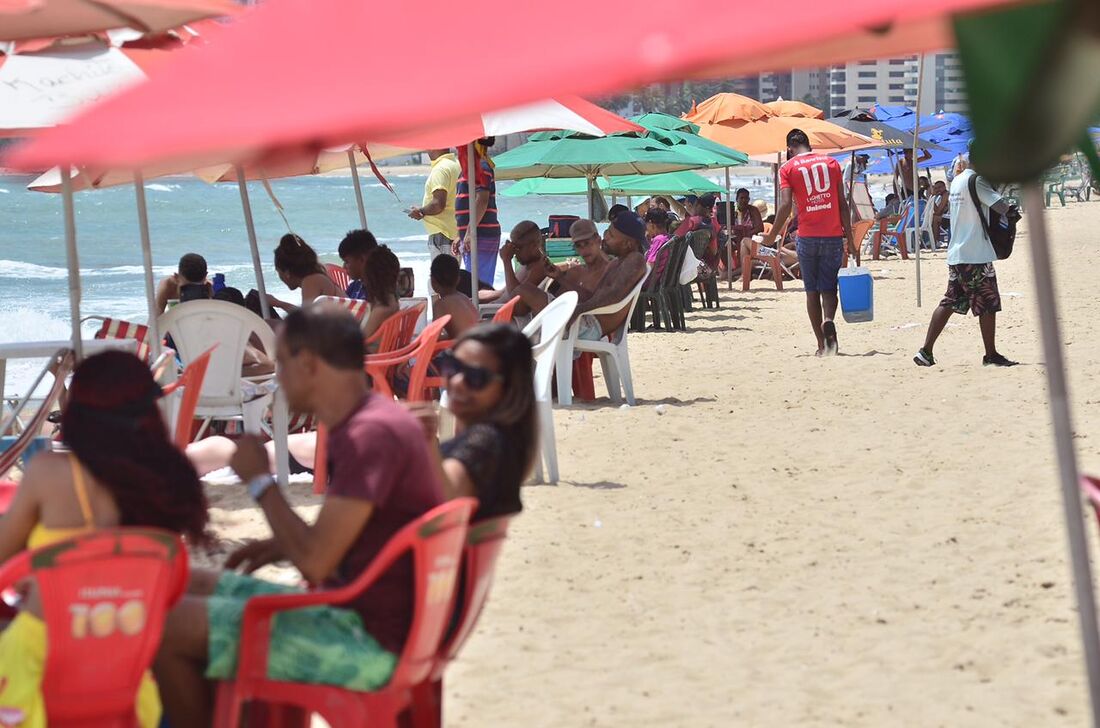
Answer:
(476, 378)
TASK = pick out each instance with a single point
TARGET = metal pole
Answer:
(72, 259)
(147, 264)
(471, 224)
(729, 232)
(1063, 441)
(242, 185)
(358, 191)
(916, 175)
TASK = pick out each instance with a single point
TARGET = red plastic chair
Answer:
(772, 261)
(191, 384)
(105, 593)
(506, 312)
(338, 275)
(479, 559)
(398, 330)
(420, 352)
(435, 541)
(884, 230)
(1090, 487)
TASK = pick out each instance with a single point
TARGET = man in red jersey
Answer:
(815, 184)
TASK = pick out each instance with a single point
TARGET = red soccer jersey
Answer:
(815, 184)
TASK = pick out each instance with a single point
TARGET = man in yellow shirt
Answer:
(437, 211)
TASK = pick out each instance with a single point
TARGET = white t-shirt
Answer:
(969, 243)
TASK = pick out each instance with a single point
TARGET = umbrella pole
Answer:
(72, 259)
(358, 191)
(729, 232)
(471, 224)
(916, 176)
(242, 185)
(1063, 441)
(591, 199)
(147, 264)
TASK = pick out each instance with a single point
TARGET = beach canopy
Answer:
(43, 87)
(759, 133)
(886, 136)
(591, 157)
(193, 117)
(670, 183)
(796, 109)
(33, 19)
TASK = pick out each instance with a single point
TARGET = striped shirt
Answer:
(489, 228)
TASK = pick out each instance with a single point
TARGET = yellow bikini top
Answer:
(43, 536)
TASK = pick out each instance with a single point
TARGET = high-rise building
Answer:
(894, 81)
(810, 85)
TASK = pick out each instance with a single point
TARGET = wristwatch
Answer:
(259, 485)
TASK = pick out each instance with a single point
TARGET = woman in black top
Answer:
(490, 385)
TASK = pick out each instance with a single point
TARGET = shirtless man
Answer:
(450, 302)
(624, 239)
(187, 284)
(525, 244)
(584, 279)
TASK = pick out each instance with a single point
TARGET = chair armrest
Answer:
(258, 611)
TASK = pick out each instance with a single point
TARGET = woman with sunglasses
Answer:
(491, 393)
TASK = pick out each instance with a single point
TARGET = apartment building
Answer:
(894, 81)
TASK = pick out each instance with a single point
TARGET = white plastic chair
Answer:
(195, 326)
(545, 332)
(614, 356)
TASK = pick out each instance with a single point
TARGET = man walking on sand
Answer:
(814, 183)
(437, 211)
(971, 279)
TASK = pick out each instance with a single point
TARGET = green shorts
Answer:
(324, 645)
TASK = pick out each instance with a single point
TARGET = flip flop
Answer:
(832, 346)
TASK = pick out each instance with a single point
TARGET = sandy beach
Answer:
(842, 542)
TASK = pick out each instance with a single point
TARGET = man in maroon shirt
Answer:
(382, 478)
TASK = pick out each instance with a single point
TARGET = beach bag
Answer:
(689, 271)
(1000, 229)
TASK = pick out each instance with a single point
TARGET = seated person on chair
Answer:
(353, 251)
(584, 279)
(624, 238)
(448, 301)
(298, 267)
(121, 470)
(702, 218)
(941, 213)
(188, 283)
(657, 223)
(490, 375)
(525, 244)
(382, 478)
(892, 208)
(380, 282)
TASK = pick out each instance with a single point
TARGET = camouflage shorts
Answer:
(324, 645)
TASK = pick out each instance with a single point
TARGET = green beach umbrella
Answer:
(589, 157)
(667, 122)
(671, 183)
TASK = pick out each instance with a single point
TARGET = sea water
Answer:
(188, 215)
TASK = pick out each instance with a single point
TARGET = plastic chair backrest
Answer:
(631, 301)
(104, 599)
(119, 329)
(699, 240)
(191, 383)
(195, 325)
(398, 330)
(860, 228)
(545, 332)
(678, 248)
(560, 250)
(505, 313)
(422, 359)
(338, 275)
(484, 540)
(356, 307)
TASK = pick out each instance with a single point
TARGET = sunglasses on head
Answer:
(476, 378)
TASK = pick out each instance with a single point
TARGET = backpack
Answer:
(1000, 229)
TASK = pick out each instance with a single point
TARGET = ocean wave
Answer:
(19, 269)
(158, 187)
